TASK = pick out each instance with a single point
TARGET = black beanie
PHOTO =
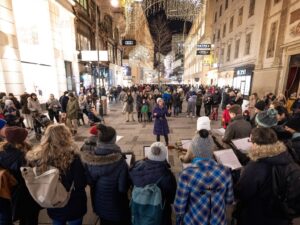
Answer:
(260, 105)
(107, 134)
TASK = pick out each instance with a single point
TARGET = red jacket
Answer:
(225, 118)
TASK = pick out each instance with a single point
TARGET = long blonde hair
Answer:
(56, 149)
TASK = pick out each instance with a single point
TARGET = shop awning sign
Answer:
(128, 42)
(203, 52)
(203, 49)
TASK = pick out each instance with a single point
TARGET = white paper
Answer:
(185, 165)
(147, 149)
(227, 158)
(220, 131)
(186, 144)
(244, 144)
(128, 158)
(119, 138)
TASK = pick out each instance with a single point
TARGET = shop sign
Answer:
(203, 52)
(204, 46)
(244, 70)
(128, 42)
(241, 72)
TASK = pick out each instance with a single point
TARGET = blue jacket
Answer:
(167, 97)
(107, 174)
(161, 126)
(146, 172)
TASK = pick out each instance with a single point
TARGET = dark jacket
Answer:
(24, 103)
(22, 202)
(176, 100)
(161, 126)
(238, 128)
(199, 100)
(253, 190)
(146, 172)
(64, 102)
(107, 174)
(77, 205)
(225, 100)
(295, 144)
(216, 99)
(139, 103)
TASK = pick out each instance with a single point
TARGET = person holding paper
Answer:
(254, 188)
(204, 189)
(238, 127)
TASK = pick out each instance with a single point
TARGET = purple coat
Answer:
(161, 126)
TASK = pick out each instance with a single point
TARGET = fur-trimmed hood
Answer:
(266, 151)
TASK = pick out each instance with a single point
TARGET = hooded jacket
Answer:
(107, 174)
(237, 128)
(253, 189)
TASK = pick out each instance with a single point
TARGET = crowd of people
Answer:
(198, 196)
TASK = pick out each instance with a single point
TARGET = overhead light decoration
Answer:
(115, 3)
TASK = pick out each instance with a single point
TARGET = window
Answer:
(276, 1)
(231, 24)
(220, 12)
(228, 53)
(240, 18)
(248, 44)
(295, 15)
(226, 4)
(224, 30)
(216, 15)
(214, 38)
(251, 8)
(83, 3)
(222, 55)
(219, 34)
(272, 40)
(82, 42)
(237, 48)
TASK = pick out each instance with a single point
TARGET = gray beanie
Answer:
(158, 152)
(267, 118)
(202, 147)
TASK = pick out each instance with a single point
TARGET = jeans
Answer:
(176, 110)
(71, 222)
(5, 212)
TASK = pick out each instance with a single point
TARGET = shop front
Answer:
(225, 78)
(242, 79)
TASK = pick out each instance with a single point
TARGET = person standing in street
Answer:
(63, 100)
(72, 113)
(216, 100)
(199, 103)
(161, 126)
(53, 107)
(129, 106)
(25, 111)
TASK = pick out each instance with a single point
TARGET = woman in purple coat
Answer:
(161, 126)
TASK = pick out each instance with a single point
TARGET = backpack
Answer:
(46, 188)
(146, 205)
(286, 189)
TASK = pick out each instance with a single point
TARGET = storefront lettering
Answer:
(241, 72)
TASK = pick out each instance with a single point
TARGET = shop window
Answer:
(83, 3)
(248, 44)
(231, 24)
(83, 43)
(224, 30)
(237, 48)
(226, 4)
(251, 8)
(240, 17)
(220, 12)
(272, 40)
(228, 53)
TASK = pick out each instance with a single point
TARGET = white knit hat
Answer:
(203, 122)
(158, 99)
(158, 152)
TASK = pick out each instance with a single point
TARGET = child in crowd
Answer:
(226, 117)
(145, 110)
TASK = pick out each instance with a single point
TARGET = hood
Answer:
(147, 171)
(9, 156)
(258, 152)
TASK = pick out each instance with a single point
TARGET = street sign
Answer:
(204, 46)
(128, 42)
(203, 52)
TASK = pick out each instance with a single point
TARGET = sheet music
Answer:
(128, 159)
(220, 131)
(227, 158)
(185, 165)
(244, 144)
(119, 138)
(147, 149)
(186, 143)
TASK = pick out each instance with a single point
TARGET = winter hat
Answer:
(294, 124)
(260, 105)
(158, 152)
(107, 134)
(94, 130)
(15, 135)
(8, 102)
(202, 147)
(203, 122)
(2, 123)
(158, 100)
(267, 118)
(236, 109)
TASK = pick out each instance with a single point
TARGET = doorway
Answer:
(293, 80)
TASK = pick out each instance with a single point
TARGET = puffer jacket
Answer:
(146, 172)
(107, 174)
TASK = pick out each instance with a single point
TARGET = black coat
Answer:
(149, 172)
(22, 202)
(107, 174)
(77, 205)
(64, 102)
(296, 145)
(253, 192)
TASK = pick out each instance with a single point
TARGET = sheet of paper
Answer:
(186, 143)
(185, 165)
(147, 149)
(128, 159)
(220, 131)
(244, 144)
(119, 138)
(227, 158)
